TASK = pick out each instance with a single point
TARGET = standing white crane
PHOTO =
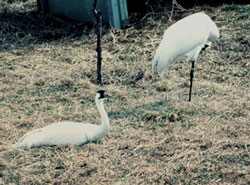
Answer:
(186, 37)
(62, 133)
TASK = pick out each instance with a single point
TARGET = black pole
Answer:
(98, 16)
(191, 80)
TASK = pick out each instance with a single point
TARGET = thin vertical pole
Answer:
(98, 16)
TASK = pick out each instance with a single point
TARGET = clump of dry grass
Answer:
(156, 136)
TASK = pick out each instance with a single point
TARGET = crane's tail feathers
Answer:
(19, 146)
(23, 142)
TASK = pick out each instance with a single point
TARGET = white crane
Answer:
(186, 37)
(62, 133)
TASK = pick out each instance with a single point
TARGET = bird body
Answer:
(62, 133)
(185, 38)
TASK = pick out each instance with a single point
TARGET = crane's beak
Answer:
(107, 96)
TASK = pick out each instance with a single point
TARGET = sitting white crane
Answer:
(187, 37)
(62, 133)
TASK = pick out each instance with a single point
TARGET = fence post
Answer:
(98, 16)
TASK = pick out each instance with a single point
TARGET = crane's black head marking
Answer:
(103, 95)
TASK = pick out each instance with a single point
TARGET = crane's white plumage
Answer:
(184, 38)
(68, 132)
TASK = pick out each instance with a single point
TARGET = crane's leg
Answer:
(191, 80)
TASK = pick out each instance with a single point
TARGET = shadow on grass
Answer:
(19, 28)
(160, 110)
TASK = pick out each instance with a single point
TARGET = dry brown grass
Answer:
(156, 136)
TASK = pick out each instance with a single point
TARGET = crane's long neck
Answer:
(104, 127)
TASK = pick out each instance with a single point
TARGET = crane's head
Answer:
(100, 95)
(159, 65)
(154, 63)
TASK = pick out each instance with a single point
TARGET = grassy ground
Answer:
(156, 136)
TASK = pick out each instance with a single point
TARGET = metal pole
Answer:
(98, 16)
